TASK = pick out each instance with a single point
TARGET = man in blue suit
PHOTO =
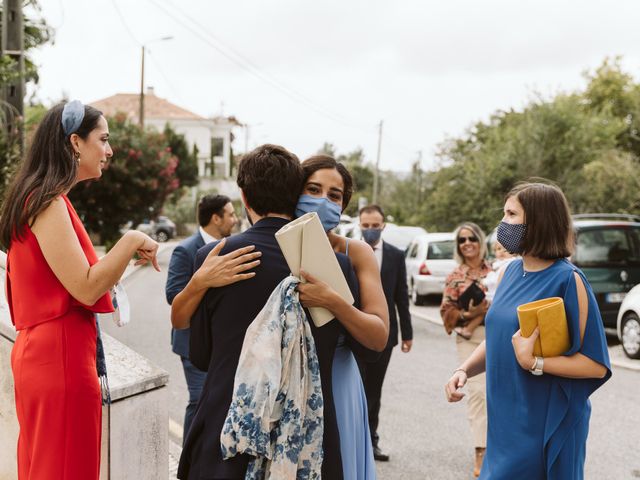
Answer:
(216, 219)
(393, 273)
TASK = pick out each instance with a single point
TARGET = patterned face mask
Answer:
(511, 236)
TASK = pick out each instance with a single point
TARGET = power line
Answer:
(250, 67)
(124, 23)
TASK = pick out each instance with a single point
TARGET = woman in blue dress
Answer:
(360, 330)
(538, 408)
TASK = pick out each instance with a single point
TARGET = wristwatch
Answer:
(537, 367)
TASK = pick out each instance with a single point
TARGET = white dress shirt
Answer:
(377, 251)
(206, 237)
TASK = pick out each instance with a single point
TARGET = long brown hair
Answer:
(48, 170)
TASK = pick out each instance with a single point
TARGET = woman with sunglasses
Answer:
(470, 253)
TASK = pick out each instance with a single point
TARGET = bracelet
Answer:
(535, 362)
(461, 370)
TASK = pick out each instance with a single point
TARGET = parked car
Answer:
(608, 252)
(429, 259)
(161, 229)
(628, 325)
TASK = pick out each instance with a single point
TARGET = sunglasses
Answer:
(462, 240)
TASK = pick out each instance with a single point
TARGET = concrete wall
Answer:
(135, 435)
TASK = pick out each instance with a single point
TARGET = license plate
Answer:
(615, 297)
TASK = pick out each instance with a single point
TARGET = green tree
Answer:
(36, 33)
(140, 176)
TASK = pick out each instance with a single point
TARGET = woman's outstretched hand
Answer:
(220, 270)
(453, 386)
(315, 292)
(523, 348)
(148, 252)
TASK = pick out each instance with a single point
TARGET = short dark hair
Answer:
(371, 209)
(549, 232)
(319, 162)
(270, 177)
(210, 205)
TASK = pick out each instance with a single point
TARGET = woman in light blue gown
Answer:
(363, 329)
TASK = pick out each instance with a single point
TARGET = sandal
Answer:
(459, 331)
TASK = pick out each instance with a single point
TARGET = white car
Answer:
(629, 323)
(429, 260)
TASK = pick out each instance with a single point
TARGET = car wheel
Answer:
(630, 329)
(162, 236)
(416, 298)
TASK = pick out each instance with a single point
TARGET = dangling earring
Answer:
(77, 156)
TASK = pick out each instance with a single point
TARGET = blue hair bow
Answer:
(72, 116)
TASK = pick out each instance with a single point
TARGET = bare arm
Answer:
(62, 251)
(472, 366)
(574, 366)
(216, 271)
(369, 325)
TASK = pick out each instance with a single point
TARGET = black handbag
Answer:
(473, 292)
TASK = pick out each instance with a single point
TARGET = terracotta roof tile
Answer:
(154, 107)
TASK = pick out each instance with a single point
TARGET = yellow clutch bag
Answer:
(549, 316)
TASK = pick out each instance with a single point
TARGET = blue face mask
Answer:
(511, 236)
(328, 211)
(371, 235)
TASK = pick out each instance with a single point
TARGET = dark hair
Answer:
(270, 177)
(549, 232)
(48, 170)
(371, 209)
(319, 162)
(477, 231)
(210, 205)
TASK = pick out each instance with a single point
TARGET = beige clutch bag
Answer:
(549, 316)
(305, 246)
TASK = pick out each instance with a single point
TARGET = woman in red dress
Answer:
(55, 285)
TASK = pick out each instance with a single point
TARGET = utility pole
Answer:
(419, 175)
(13, 46)
(144, 45)
(376, 173)
(141, 115)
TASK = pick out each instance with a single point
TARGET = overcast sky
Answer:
(302, 72)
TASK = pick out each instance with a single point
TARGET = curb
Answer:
(616, 354)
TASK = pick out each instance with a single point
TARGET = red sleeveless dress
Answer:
(57, 392)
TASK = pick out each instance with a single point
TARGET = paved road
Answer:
(426, 437)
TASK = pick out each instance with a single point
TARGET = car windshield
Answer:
(440, 250)
(608, 246)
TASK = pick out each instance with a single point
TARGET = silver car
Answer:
(429, 260)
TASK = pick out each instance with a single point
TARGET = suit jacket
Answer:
(217, 333)
(394, 283)
(180, 272)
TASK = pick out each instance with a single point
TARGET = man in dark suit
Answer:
(216, 219)
(394, 283)
(270, 180)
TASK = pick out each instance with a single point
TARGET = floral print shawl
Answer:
(276, 413)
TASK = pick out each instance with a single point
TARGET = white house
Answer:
(211, 136)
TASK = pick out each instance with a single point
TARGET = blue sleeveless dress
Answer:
(352, 416)
(538, 425)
